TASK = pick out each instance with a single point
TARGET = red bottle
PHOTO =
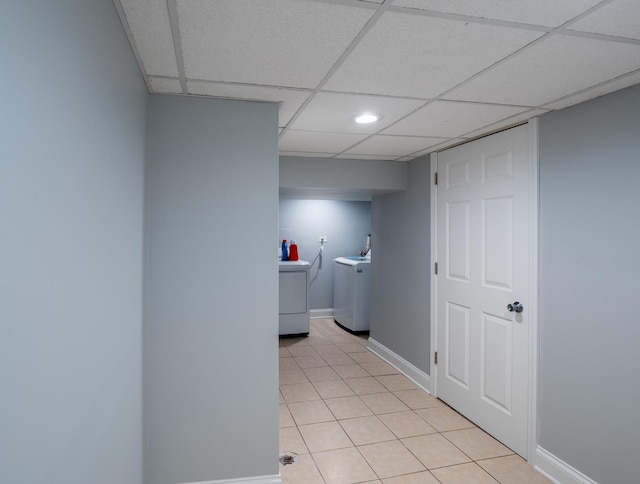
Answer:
(293, 251)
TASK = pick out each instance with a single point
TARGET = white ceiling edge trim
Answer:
(172, 7)
(306, 154)
(621, 82)
(132, 44)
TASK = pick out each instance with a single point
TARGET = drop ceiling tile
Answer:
(620, 18)
(448, 119)
(392, 145)
(549, 13)
(318, 142)
(333, 112)
(149, 24)
(419, 56)
(558, 66)
(506, 123)
(162, 85)
(619, 83)
(289, 43)
(290, 99)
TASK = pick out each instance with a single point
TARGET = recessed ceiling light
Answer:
(366, 118)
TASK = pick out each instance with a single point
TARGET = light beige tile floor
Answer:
(353, 418)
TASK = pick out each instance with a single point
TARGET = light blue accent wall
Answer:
(589, 264)
(72, 148)
(345, 223)
(400, 282)
(211, 329)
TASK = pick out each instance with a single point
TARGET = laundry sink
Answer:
(352, 260)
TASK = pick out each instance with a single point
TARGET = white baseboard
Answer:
(321, 313)
(246, 480)
(416, 375)
(557, 470)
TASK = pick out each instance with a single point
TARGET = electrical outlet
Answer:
(323, 239)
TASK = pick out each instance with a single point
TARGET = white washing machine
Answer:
(351, 292)
(294, 297)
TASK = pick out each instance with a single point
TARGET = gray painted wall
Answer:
(72, 148)
(589, 265)
(211, 329)
(344, 179)
(345, 223)
(400, 284)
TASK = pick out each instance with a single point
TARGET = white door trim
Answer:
(533, 289)
(532, 305)
(434, 285)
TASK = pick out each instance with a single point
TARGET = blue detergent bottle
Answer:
(285, 254)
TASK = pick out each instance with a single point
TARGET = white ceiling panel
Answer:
(334, 112)
(549, 13)
(149, 24)
(620, 18)
(395, 146)
(414, 55)
(558, 66)
(451, 119)
(317, 142)
(601, 90)
(439, 71)
(290, 99)
(161, 85)
(289, 43)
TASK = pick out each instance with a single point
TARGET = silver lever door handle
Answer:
(515, 307)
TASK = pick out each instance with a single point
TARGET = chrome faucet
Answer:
(367, 248)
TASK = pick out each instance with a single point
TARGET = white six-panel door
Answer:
(483, 248)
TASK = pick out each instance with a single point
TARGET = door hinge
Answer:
(435, 357)
(435, 268)
(435, 178)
